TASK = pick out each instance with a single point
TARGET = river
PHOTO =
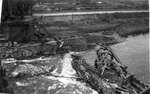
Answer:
(134, 53)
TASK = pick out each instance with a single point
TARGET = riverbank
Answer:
(59, 75)
(133, 52)
(111, 29)
(79, 31)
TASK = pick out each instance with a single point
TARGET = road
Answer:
(88, 13)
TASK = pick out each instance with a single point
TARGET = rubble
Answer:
(108, 76)
(25, 51)
(30, 67)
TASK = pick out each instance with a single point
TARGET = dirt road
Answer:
(88, 13)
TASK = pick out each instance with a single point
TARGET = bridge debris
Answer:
(108, 76)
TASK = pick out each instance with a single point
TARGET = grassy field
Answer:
(89, 5)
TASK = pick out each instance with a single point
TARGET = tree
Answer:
(19, 8)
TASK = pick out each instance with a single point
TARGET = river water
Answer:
(134, 53)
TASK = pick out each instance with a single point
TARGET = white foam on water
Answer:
(22, 84)
(65, 78)
(67, 75)
(67, 69)
(69, 81)
(52, 87)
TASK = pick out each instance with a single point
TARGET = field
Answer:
(106, 28)
(88, 5)
(82, 31)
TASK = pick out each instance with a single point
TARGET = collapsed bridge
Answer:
(108, 76)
